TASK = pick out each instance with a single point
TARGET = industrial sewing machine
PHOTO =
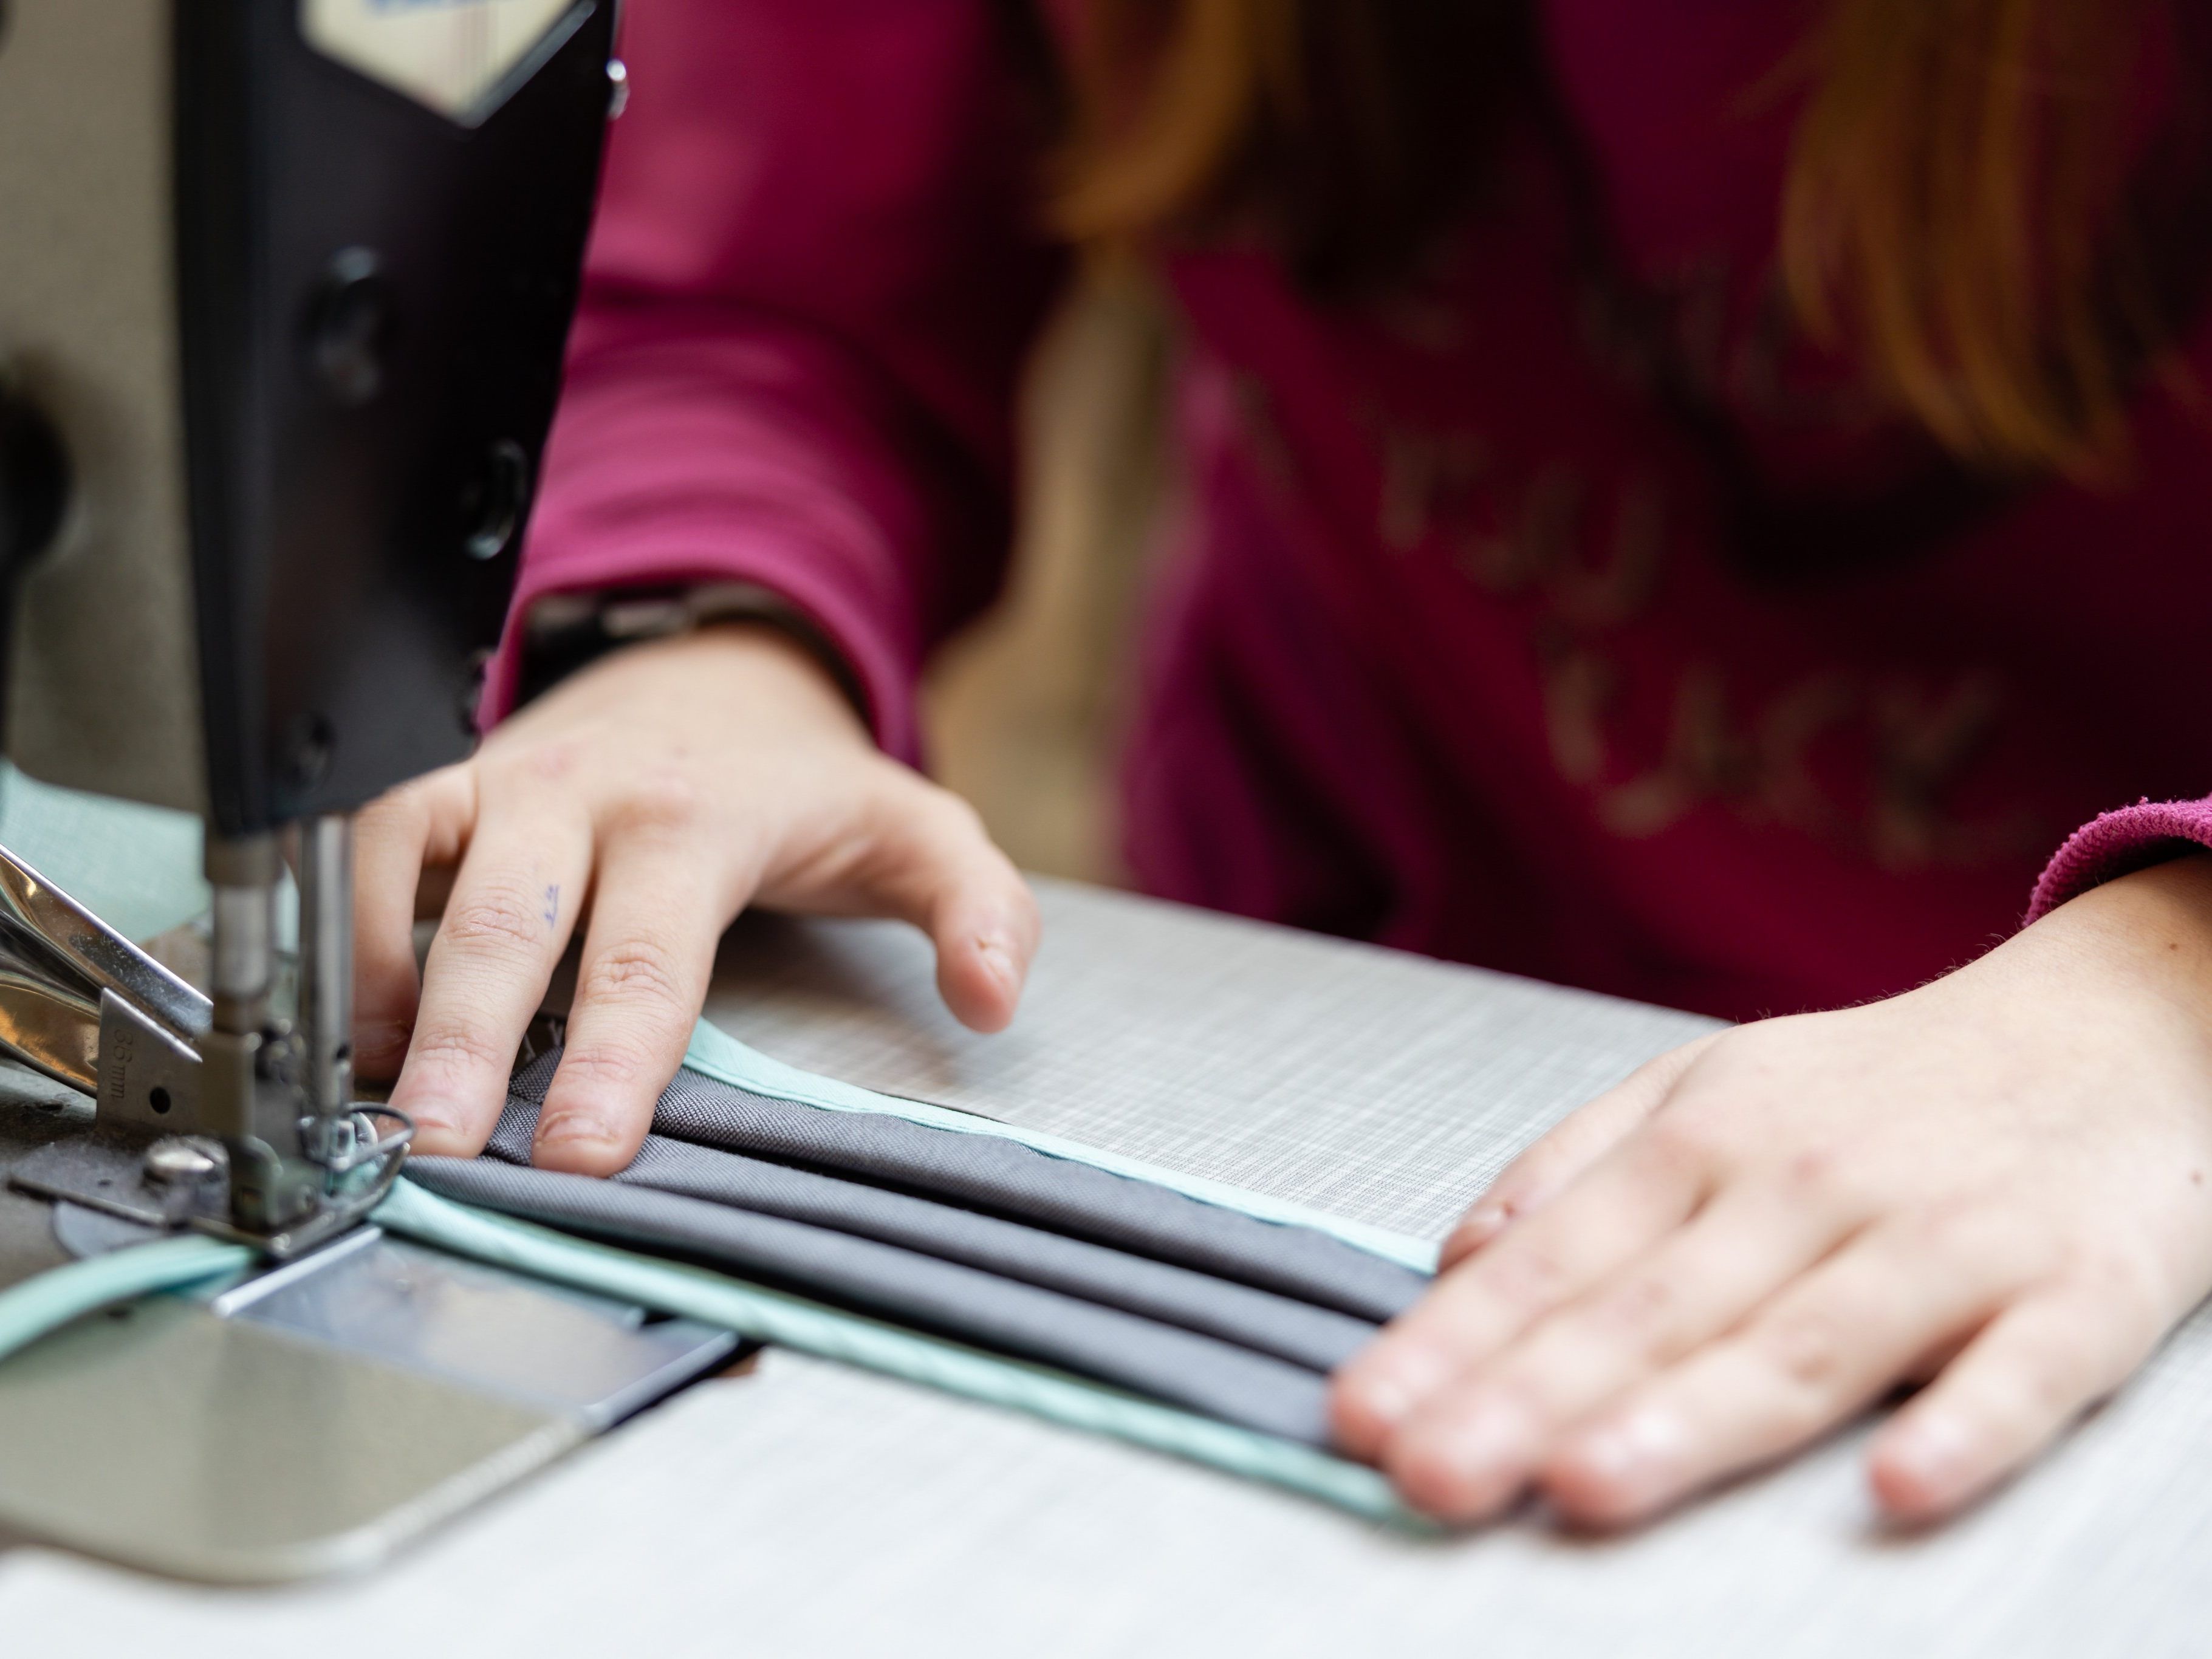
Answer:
(284, 288)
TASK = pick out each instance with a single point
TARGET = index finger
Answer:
(512, 908)
(647, 957)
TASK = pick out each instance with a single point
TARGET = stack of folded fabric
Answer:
(1038, 1254)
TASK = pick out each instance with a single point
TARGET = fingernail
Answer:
(572, 1128)
(1384, 1401)
(1389, 1386)
(1633, 1458)
(997, 954)
(1493, 1443)
(1933, 1454)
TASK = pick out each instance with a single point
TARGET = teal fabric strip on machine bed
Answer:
(55, 1298)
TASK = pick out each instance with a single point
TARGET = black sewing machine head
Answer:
(284, 288)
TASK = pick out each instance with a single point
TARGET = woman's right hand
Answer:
(649, 799)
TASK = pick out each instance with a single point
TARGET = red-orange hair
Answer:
(1951, 209)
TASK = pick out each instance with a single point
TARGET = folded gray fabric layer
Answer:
(989, 1172)
(975, 1236)
(1203, 1373)
(1318, 1338)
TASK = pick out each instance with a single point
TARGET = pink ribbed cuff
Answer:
(2118, 843)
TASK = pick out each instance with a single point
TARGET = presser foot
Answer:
(174, 1181)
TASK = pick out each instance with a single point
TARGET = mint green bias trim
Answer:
(715, 1052)
(29, 1310)
(831, 1334)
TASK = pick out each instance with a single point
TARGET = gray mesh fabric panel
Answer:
(1201, 1372)
(1003, 1177)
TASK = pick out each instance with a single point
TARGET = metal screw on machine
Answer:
(34, 481)
(496, 500)
(308, 749)
(176, 1160)
(348, 328)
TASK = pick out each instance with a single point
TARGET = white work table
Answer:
(807, 1509)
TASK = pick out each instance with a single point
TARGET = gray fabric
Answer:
(1182, 1367)
(1003, 1177)
(981, 1238)
(1319, 1339)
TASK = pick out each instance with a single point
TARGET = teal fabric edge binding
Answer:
(55, 1298)
(715, 1052)
(828, 1333)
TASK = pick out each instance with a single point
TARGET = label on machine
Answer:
(451, 56)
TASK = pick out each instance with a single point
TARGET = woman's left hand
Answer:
(1998, 1181)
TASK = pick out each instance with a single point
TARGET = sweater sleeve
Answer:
(2117, 844)
(811, 286)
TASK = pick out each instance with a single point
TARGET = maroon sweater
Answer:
(1565, 614)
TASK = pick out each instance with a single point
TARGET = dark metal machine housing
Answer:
(280, 342)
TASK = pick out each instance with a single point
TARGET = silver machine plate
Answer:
(318, 1415)
(226, 1450)
(585, 1356)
